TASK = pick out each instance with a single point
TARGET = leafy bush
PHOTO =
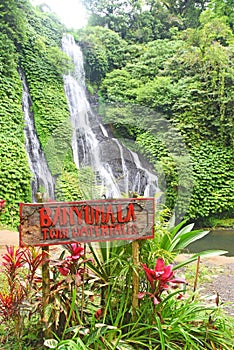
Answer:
(213, 181)
(103, 51)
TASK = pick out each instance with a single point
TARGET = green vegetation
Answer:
(103, 50)
(184, 77)
(15, 175)
(164, 75)
(30, 41)
(90, 304)
(174, 60)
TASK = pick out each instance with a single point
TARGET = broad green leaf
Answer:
(189, 238)
(203, 254)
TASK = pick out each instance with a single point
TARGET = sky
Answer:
(70, 12)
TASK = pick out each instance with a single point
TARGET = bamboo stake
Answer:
(135, 278)
(196, 277)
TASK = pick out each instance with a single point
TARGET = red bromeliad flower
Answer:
(161, 276)
(76, 251)
(160, 279)
(70, 263)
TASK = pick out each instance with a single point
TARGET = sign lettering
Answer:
(86, 221)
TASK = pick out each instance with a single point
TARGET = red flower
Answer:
(70, 264)
(161, 276)
(76, 251)
(160, 279)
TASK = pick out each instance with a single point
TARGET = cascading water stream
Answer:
(42, 179)
(118, 170)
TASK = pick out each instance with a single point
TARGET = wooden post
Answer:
(196, 277)
(45, 289)
(135, 278)
(45, 280)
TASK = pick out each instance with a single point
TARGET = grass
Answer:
(206, 273)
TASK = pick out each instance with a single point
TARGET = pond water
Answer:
(216, 239)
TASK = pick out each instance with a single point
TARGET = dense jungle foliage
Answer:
(178, 63)
(30, 47)
(173, 58)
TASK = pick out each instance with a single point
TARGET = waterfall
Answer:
(118, 170)
(42, 179)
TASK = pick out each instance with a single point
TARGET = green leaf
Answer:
(51, 343)
(203, 254)
(188, 238)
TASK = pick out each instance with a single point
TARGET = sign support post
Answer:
(45, 280)
(45, 288)
(135, 277)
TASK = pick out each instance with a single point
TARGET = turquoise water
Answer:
(216, 239)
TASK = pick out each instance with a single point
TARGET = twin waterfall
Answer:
(117, 169)
(42, 180)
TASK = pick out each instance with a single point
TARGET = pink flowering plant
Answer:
(67, 280)
(70, 265)
(161, 279)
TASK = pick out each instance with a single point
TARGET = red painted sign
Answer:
(86, 221)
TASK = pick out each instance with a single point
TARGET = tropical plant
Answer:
(173, 323)
(90, 302)
(111, 326)
(66, 301)
(169, 241)
(21, 293)
(161, 279)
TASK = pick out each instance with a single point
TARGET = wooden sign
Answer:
(53, 223)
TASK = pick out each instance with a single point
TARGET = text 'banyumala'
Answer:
(86, 214)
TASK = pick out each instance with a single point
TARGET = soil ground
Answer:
(217, 272)
(216, 278)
